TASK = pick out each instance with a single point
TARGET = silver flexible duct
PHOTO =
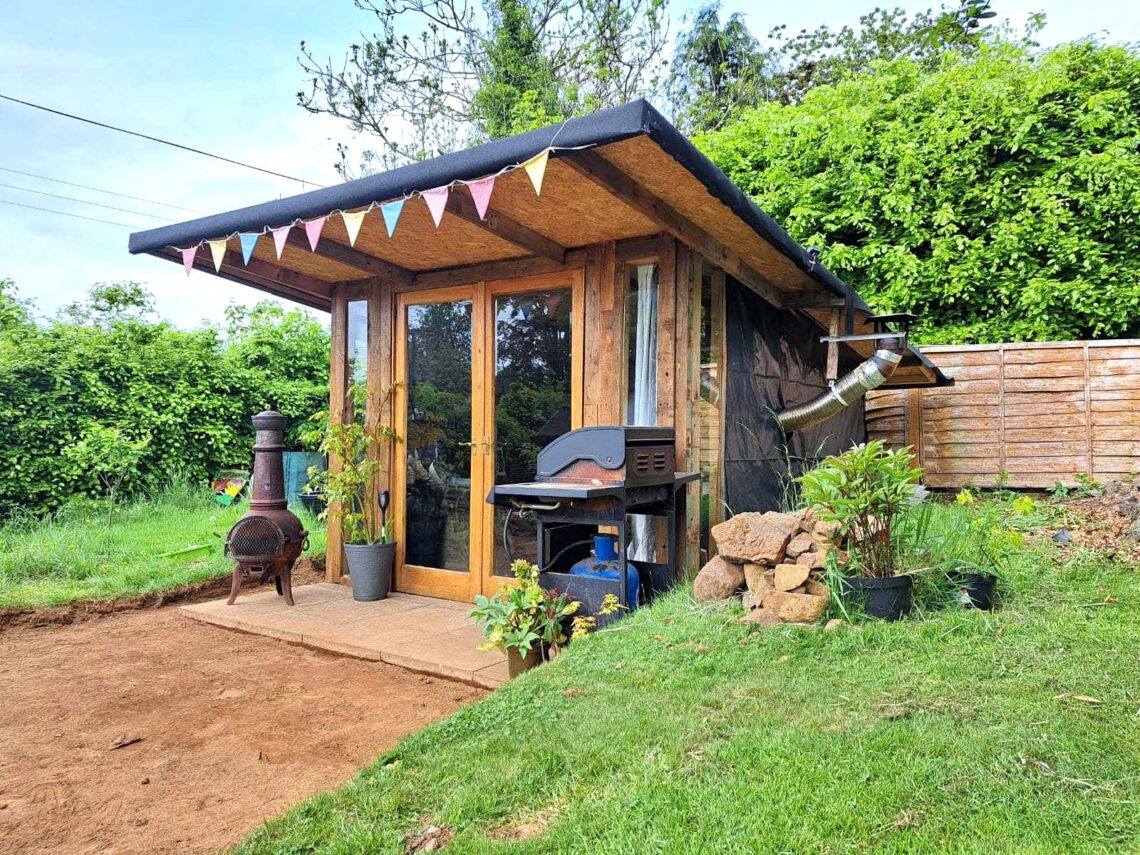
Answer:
(870, 374)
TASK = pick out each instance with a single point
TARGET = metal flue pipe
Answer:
(868, 375)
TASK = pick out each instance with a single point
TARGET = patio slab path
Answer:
(418, 633)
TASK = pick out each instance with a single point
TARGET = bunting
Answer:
(279, 237)
(435, 198)
(536, 168)
(352, 223)
(218, 251)
(436, 201)
(481, 193)
(248, 244)
(391, 212)
(313, 230)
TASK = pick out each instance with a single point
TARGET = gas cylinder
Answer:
(603, 564)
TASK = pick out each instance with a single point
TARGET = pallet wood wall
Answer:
(1040, 413)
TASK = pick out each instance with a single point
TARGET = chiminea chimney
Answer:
(269, 538)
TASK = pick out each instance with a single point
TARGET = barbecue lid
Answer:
(603, 444)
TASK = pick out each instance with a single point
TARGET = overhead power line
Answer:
(66, 214)
(83, 202)
(99, 190)
(156, 139)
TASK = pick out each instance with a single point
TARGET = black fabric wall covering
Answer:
(775, 360)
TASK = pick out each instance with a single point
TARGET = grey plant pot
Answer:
(370, 568)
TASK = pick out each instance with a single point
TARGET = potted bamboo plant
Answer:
(369, 547)
(524, 620)
(864, 490)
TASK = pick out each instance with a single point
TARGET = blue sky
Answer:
(223, 76)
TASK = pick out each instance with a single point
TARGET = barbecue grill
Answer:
(269, 538)
(599, 476)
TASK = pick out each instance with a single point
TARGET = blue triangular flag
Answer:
(248, 242)
(391, 212)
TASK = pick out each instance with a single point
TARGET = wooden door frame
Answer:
(480, 578)
(431, 581)
(573, 279)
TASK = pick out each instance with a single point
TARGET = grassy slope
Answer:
(79, 556)
(691, 735)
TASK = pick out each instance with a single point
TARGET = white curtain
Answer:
(643, 397)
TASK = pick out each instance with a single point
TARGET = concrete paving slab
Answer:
(423, 634)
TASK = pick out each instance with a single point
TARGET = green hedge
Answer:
(188, 393)
(997, 196)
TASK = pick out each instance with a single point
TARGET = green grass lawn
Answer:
(681, 731)
(79, 555)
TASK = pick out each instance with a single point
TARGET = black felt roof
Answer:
(597, 129)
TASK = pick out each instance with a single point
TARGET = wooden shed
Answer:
(600, 271)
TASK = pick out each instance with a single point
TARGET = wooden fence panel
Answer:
(1028, 415)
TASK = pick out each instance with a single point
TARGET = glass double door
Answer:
(489, 374)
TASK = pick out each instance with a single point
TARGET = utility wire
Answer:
(99, 190)
(156, 139)
(83, 202)
(66, 214)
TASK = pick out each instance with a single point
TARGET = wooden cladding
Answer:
(1040, 413)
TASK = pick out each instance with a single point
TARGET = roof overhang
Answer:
(617, 174)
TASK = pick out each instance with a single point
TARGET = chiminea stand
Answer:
(269, 538)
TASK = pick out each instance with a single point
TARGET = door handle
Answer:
(487, 445)
(472, 445)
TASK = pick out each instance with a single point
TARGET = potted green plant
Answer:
(864, 490)
(523, 619)
(369, 547)
(983, 540)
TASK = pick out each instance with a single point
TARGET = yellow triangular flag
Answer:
(536, 168)
(218, 250)
(352, 223)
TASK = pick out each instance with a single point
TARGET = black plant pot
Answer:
(886, 599)
(314, 503)
(975, 589)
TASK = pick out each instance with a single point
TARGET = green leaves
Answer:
(995, 195)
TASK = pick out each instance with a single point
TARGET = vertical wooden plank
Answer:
(688, 396)
(833, 346)
(591, 317)
(717, 326)
(334, 560)
(611, 328)
(577, 349)
(912, 431)
(668, 289)
(1001, 412)
(1088, 410)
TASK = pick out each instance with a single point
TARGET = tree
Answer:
(443, 73)
(997, 196)
(110, 455)
(717, 70)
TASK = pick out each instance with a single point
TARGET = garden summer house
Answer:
(600, 271)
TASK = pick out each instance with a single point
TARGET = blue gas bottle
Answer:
(603, 564)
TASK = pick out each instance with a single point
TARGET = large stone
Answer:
(811, 560)
(817, 588)
(763, 617)
(789, 576)
(718, 580)
(754, 538)
(758, 578)
(795, 608)
(799, 544)
(825, 530)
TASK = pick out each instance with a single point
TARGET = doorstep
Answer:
(418, 633)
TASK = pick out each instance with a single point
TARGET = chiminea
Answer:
(269, 537)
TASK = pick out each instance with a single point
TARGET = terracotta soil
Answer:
(231, 729)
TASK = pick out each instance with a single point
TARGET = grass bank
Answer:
(682, 731)
(79, 555)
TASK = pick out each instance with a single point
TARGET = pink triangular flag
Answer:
(481, 193)
(352, 223)
(436, 201)
(536, 168)
(218, 251)
(279, 237)
(188, 258)
(313, 230)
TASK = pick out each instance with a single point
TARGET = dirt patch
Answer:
(146, 732)
(306, 571)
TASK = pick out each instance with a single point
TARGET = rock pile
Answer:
(778, 559)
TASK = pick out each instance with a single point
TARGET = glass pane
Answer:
(532, 398)
(641, 344)
(438, 502)
(356, 356)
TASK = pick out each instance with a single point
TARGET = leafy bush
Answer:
(107, 365)
(996, 196)
(864, 489)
